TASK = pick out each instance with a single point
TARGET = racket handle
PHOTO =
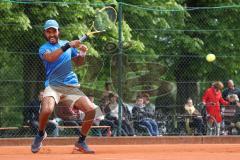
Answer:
(83, 38)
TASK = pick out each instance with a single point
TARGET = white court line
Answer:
(109, 158)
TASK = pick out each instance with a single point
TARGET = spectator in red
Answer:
(212, 99)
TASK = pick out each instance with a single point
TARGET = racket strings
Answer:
(112, 15)
(104, 22)
(105, 19)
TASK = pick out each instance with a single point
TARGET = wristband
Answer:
(65, 47)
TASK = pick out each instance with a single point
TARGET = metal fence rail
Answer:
(163, 53)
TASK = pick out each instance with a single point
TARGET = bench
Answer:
(108, 128)
(61, 127)
(14, 131)
(13, 128)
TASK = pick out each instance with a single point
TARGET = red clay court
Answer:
(159, 148)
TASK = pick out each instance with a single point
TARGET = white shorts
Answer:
(67, 94)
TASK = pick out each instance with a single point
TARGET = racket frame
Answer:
(90, 33)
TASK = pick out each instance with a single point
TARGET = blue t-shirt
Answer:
(60, 71)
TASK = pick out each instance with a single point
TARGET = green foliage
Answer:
(163, 40)
(11, 87)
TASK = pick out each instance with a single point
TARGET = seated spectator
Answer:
(69, 116)
(231, 89)
(234, 111)
(140, 115)
(196, 119)
(107, 89)
(235, 125)
(104, 101)
(111, 111)
(232, 99)
(31, 116)
(73, 117)
(149, 107)
(230, 114)
(100, 120)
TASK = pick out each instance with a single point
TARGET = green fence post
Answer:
(119, 63)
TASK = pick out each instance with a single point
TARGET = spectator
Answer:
(100, 119)
(231, 114)
(212, 98)
(69, 115)
(141, 116)
(105, 96)
(107, 89)
(236, 122)
(231, 89)
(31, 116)
(149, 107)
(196, 119)
(112, 114)
(73, 117)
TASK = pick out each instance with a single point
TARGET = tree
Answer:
(182, 36)
(22, 23)
(214, 33)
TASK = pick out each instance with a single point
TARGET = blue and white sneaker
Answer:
(37, 143)
(83, 147)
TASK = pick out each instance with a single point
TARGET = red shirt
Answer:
(213, 98)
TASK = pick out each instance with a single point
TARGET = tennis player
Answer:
(62, 83)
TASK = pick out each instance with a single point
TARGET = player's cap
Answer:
(51, 24)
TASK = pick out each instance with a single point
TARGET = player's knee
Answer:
(90, 114)
(47, 105)
(46, 111)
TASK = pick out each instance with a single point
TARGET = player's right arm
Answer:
(53, 56)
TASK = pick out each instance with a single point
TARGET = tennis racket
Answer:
(104, 21)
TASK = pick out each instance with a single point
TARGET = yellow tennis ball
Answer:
(210, 57)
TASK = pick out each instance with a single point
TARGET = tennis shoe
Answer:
(37, 143)
(83, 147)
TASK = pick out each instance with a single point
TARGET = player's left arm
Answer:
(79, 58)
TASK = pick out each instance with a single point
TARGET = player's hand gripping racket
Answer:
(104, 20)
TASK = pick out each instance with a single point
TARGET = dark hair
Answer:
(108, 83)
(112, 94)
(139, 96)
(108, 86)
(146, 95)
(90, 95)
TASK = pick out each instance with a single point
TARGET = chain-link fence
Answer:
(162, 52)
